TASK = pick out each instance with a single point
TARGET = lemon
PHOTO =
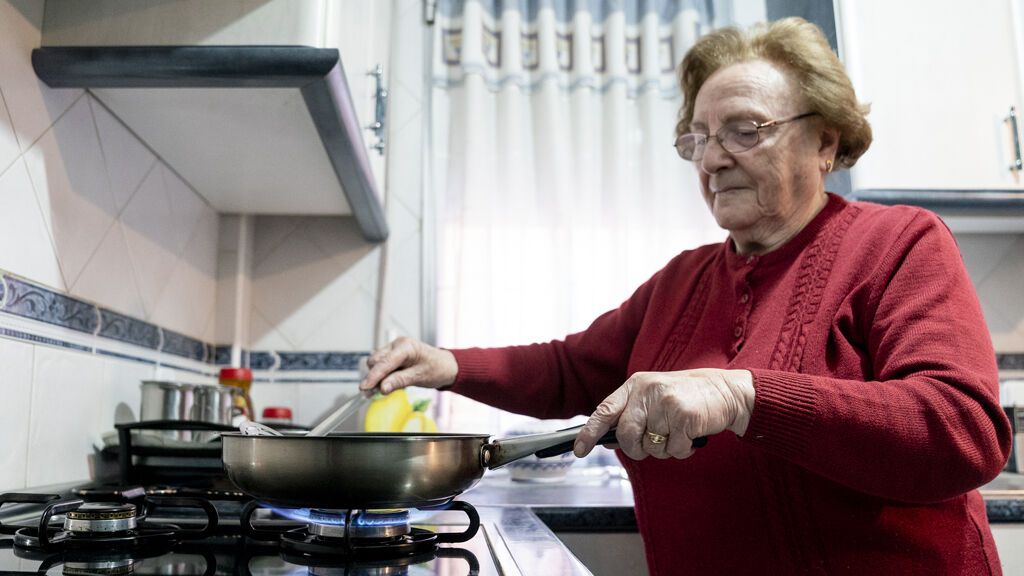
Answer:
(418, 420)
(388, 413)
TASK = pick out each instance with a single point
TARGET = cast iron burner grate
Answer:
(337, 533)
(103, 526)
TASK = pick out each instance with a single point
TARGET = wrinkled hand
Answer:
(678, 405)
(409, 362)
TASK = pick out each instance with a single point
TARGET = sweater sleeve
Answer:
(561, 378)
(930, 426)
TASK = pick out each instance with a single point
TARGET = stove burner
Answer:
(104, 567)
(364, 524)
(357, 533)
(300, 541)
(101, 517)
(104, 526)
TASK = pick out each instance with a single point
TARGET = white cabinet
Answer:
(361, 32)
(941, 77)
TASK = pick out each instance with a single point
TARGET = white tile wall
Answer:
(8, 142)
(15, 368)
(22, 225)
(127, 159)
(313, 285)
(68, 392)
(86, 207)
(33, 107)
(71, 183)
(995, 263)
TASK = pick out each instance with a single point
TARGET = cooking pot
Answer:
(375, 470)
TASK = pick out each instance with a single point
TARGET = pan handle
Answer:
(500, 452)
(608, 438)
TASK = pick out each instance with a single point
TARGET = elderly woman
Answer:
(833, 353)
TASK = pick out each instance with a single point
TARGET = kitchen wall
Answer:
(314, 280)
(996, 265)
(108, 267)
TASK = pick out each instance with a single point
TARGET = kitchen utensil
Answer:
(350, 407)
(374, 470)
(250, 428)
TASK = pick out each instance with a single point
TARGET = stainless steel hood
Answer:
(254, 129)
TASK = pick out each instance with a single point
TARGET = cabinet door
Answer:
(361, 31)
(941, 76)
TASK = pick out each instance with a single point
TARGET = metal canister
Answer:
(213, 404)
(163, 400)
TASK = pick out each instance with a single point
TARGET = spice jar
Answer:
(240, 378)
(277, 415)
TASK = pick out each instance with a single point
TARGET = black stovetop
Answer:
(175, 535)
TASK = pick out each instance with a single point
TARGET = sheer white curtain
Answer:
(558, 190)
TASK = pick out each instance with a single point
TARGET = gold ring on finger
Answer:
(656, 438)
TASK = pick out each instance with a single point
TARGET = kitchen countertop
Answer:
(600, 499)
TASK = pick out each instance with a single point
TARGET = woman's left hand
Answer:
(677, 406)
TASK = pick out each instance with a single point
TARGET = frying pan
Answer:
(375, 470)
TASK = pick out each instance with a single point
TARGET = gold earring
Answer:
(828, 165)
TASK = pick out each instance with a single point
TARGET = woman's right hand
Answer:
(409, 362)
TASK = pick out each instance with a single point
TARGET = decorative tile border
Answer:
(127, 329)
(222, 355)
(320, 360)
(1010, 361)
(34, 303)
(42, 304)
(37, 339)
(184, 346)
(125, 356)
(269, 380)
(260, 360)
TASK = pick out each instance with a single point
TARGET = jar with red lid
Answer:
(276, 415)
(241, 379)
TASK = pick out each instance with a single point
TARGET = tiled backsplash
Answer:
(995, 263)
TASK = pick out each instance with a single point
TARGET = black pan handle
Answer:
(564, 447)
(608, 438)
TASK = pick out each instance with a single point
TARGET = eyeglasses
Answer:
(735, 137)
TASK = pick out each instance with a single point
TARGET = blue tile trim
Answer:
(127, 329)
(190, 370)
(308, 380)
(41, 339)
(222, 355)
(1012, 361)
(184, 346)
(259, 360)
(42, 304)
(125, 356)
(320, 360)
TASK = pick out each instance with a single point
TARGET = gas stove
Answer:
(162, 530)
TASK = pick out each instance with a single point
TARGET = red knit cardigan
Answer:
(876, 414)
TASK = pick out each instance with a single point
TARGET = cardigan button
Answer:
(738, 331)
(744, 298)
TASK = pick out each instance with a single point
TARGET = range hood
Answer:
(268, 129)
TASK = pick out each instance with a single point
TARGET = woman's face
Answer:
(779, 183)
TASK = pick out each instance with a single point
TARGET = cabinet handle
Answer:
(1017, 163)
